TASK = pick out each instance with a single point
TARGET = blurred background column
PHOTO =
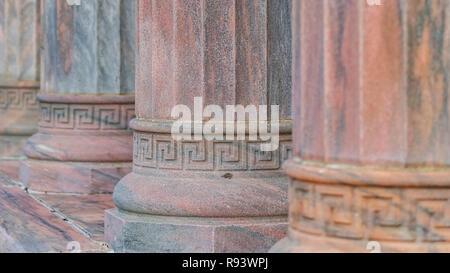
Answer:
(86, 99)
(371, 167)
(19, 79)
(200, 195)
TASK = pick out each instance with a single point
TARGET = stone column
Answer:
(205, 195)
(19, 79)
(371, 167)
(86, 100)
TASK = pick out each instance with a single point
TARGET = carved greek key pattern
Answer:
(371, 213)
(18, 99)
(86, 116)
(161, 151)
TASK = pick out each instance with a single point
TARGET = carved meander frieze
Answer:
(161, 151)
(404, 214)
(86, 116)
(18, 99)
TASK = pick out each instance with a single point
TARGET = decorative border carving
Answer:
(371, 213)
(86, 116)
(161, 151)
(18, 99)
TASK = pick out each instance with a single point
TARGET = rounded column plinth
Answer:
(83, 144)
(235, 194)
(342, 208)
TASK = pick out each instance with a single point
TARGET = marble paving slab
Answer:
(31, 226)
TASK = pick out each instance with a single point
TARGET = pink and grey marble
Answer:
(86, 99)
(187, 195)
(19, 78)
(88, 49)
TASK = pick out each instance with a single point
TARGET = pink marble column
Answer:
(200, 195)
(86, 99)
(19, 79)
(371, 166)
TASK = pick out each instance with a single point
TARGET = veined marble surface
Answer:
(19, 40)
(88, 48)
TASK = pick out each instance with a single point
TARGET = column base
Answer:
(341, 208)
(131, 232)
(72, 177)
(305, 243)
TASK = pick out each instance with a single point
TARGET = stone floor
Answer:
(39, 222)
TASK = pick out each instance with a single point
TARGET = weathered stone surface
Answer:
(28, 226)
(371, 127)
(228, 53)
(86, 100)
(19, 78)
(162, 234)
(86, 211)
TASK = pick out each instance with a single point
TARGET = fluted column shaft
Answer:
(19, 79)
(226, 53)
(86, 99)
(372, 126)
